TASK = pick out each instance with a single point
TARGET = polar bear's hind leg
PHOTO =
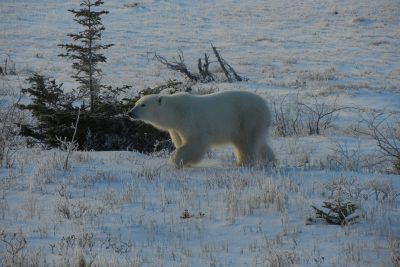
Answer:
(265, 152)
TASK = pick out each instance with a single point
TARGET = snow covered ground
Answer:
(128, 209)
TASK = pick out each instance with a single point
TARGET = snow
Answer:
(124, 209)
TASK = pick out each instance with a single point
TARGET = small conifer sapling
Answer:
(86, 50)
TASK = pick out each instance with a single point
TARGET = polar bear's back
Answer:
(224, 115)
(235, 102)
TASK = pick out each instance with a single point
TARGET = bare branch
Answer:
(204, 75)
(319, 115)
(226, 68)
(221, 63)
(384, 129)
(176, 65)
(72, 145)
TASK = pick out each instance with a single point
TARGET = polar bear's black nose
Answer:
(133, 113)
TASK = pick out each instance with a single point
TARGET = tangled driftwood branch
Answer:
(176, 65)
(204, 74)
(227, 69)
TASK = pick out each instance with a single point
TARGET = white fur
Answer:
(197, 122)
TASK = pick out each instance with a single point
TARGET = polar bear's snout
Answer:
(134, 113)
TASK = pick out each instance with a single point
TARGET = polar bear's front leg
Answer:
(176, 138)
(188, 154)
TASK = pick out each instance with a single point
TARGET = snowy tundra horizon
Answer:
(330, 71)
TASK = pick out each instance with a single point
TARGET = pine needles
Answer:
(337, 212)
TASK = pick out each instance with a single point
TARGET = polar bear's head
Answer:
(150, 109)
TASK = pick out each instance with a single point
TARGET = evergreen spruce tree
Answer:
(106, 129)
(102, 125)
(86, 51)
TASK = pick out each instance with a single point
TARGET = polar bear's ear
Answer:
(160, 100)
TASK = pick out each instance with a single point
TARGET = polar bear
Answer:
(195, 123)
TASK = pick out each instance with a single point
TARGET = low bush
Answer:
(106, 129)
